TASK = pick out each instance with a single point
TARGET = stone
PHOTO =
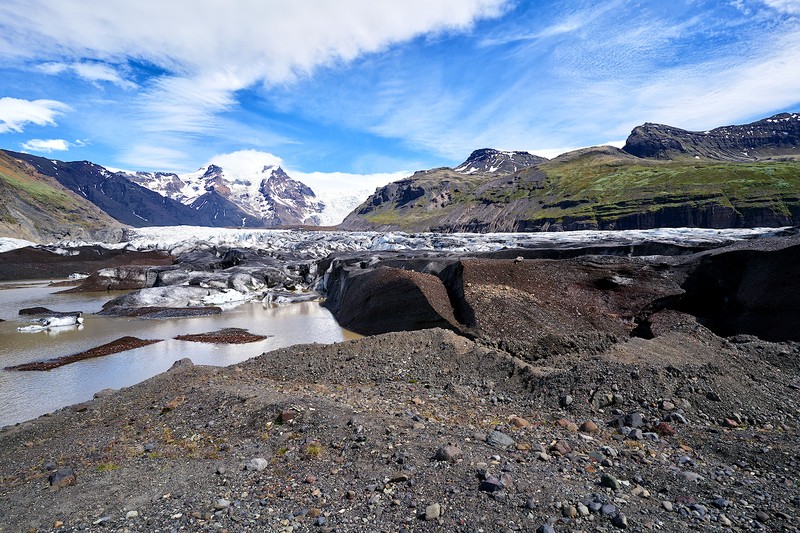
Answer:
(725, 521)
(582, 509)
(221, 503)
(131, 515)
(433, 511)
(666, 405)
(256, 464)
(620, 521)
(498, 439)
(664, 429)
(667, 505)
(589, 427)
(545, 528)
(634, 420)
(565, 401)
(608, 509)
(104, 393)
(63, 477)
(691, 476)
(730, 423)
(449, 453)
(569, 511)
(567, 424)
(640, 491)
(519, 422)
(609, 481)
(561, 447)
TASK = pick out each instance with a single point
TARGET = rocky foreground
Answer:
(588, 390)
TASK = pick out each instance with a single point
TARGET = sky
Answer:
(359, 90)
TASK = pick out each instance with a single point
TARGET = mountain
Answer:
(113, 193)
(264, 198)
(736, 176)
(776, 136)
(497, 162)
(38, 208)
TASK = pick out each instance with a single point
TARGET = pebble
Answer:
(569, 511)
(589, 427)
(691, 476)
(257, 464)
(62, 477)
(498, 439)
(221, 503)
(640, 491)
(608, 509)
(667, 505)
(582, 509)
(545, 528)
(567, 424)
(449, 453)
(620, 521)
(131, 514)
(566, 400)
(433, 511)
(762, 516)
(519, 422)
(607, 480)
(725, 521)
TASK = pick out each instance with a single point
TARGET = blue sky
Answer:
(365, 87)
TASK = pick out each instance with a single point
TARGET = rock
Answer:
(494, 483)
(691, 477)
(667, 505)
(498, 439)
(569, 511)
(664, 429)
(620, 521)
(609, 481)
(561, 447)
(666, 405)
(221, 503)
(62, 477)
(567, 424)
(449, 453)
(582, 509)
(104, 393)
(608, 509)
(131, 514)
(519, 422)
(762, 516)
(433, 511)
(545, 528)
(713, 396)
(589, 427)
(724, 520)
(320, 521)
(730, 423)
(634, 420)
(257, 464)
(565, 401)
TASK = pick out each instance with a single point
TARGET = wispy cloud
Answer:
(91, 71)
(785, 6)
(46, 145)
(16, 113)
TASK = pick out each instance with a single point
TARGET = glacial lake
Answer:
(26, 395)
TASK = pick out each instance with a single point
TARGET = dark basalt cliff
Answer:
(776, 136)
(730, 177)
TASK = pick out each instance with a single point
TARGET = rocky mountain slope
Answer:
(738, 176)
(268, 197)
(37, 207)
(776, 136)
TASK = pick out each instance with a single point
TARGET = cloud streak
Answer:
(16, 113)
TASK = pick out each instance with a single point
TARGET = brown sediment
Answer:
(120, 345)
(224, 336)
(161, 312)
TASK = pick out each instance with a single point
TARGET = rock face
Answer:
(776, 136)
(736, 176)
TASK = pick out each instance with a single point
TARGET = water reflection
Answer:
(287, 325)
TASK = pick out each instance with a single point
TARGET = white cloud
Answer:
(16, 113)
(785, 6)
(244, 162)
(326, 183)
(90, 71)
(46, 145)
(210, 49)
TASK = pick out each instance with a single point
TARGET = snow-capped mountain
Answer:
(265, 196)
(497, 161)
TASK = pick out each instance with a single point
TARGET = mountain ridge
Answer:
(733, 176)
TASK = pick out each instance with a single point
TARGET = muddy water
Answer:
(25, 395)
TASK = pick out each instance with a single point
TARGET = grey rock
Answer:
(498, 439)
(607, 480)
(545, 528)
(620, 521)
(62, 477)
(449, 452)
(257, 464)
(433, 511)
